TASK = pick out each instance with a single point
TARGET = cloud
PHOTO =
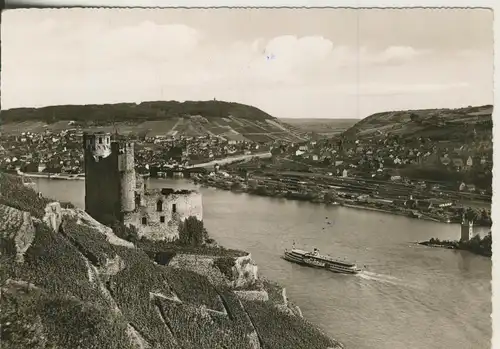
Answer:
(56, 60)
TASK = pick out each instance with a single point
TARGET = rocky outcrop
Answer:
(17, 229)
(203, 265)
(53, 215)
(257, 295)
(112, 266)
(244, 271)
(83, 217)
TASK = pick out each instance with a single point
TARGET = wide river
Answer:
(410, 296)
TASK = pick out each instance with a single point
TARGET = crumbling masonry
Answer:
(113, 191)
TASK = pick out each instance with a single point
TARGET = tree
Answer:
(192, 232)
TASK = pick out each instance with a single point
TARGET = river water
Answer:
(410, 296)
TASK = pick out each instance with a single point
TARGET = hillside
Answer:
(438, 124)
(190, 118)
(69, 282)
(322, 127)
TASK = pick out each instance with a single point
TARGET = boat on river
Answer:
(315, 260)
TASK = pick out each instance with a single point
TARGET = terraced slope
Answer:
(216, 118)
(438, 124)
(79, 287)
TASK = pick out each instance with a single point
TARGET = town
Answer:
(377, 173)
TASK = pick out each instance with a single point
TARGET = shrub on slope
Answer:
(35, 319)
(285, 331)
(14, 194)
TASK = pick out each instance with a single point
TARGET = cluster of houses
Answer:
(382, 158)
(61, 152)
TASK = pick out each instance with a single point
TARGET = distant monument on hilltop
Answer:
(114, 192)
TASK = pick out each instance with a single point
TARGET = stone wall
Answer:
(161, 222)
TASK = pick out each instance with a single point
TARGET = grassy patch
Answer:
(35, 319)
(193, 288)
(279, 330)
(195, 329)
(160, 246)
(131, 289)
(91, 242)
(14, 194)
(54, 264)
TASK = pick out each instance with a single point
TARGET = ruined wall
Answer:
(163, 224)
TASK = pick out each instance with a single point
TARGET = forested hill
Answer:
(232, 121)
(145, 111)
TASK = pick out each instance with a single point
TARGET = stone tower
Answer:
(109, 177)
(466, 229)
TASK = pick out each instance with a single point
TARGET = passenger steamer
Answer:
(316, 260)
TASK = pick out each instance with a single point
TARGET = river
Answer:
(411, 296)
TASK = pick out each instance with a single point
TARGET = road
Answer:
(231, 159)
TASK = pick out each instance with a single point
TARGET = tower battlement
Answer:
(97, 144)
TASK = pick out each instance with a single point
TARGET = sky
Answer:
(291, 63)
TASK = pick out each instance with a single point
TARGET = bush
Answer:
(91, 243)
(128, 233)
(39, 320)
(13, 193)
(131, 289)
(53, 263)
(280, 330)
(192, 232)
(225, 265)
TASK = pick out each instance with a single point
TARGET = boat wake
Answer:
(367, 275)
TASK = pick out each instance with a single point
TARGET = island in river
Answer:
(477, 245)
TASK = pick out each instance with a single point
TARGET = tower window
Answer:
(159, 206)
(174, 208)
(162, 219)
(144, 221)
(107, 140)
(100, 140)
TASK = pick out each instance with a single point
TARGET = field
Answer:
(235, 128)
(169, 118)
(325, 127)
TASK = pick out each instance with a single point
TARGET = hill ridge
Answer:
(438, 123)
(229, 120)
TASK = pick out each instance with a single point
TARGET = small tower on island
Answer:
(466, 229)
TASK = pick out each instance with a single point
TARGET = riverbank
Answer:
(476, 245)
(56, 176)
(318, 199)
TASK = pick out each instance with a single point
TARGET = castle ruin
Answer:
(114, 192)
